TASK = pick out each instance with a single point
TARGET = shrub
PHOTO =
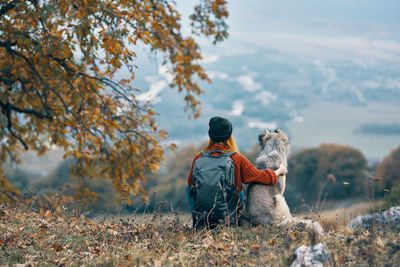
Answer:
(388, 171)
(393, 198)
(335, 170)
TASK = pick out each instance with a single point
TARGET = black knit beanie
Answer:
(220, 129)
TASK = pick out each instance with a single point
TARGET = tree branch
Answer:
(7, 7)
(7, 44)
(7, 110)
(41, 79)
(31, 111)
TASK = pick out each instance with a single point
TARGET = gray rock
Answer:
(314, 256)
(389, 219)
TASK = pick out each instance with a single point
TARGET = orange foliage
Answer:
(58, 60)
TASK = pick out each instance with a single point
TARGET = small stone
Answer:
(314, 256)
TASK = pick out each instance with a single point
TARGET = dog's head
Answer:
(275, 137)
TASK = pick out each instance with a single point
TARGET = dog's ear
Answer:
(263, 137)
(283, 136)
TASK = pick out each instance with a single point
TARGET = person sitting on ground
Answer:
(215, 180)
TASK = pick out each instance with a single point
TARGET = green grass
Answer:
(48, 238)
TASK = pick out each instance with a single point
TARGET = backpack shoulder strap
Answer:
(205, 154)
(222, 152)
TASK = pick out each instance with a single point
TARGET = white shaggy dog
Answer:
(266, 204)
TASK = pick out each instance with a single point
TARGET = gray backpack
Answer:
(213, 189)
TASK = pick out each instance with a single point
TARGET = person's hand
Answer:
(282, 170)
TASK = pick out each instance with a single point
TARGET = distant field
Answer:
(337, 122)
(39, 166)
(345, 214)
(341, 212)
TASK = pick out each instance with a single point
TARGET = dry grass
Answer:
(48, 238)
(344, 214)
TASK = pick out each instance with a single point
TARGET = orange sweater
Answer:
(245, 172)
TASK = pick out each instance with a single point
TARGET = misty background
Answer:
(324, 71)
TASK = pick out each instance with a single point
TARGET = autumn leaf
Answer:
(57, 247)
